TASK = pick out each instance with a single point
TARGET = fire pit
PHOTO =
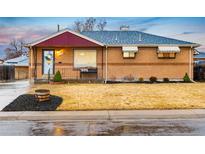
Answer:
(42, 95)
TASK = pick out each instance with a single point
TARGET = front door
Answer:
(48, 61)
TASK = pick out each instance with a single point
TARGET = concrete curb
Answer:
(103, 115)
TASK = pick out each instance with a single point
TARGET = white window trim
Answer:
(92, 50)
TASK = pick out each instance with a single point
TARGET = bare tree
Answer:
(16, 48)
(101, 25)
(78, 26)
(89, 24)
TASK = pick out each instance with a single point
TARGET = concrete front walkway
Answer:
(103, 115)
(11, 90)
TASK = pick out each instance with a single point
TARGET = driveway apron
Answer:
(10, 91)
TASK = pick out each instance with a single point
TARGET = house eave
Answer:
(141, 45)
(154, 45)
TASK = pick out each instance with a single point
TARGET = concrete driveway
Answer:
(10, 91)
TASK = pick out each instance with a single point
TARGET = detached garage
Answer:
(20, 67)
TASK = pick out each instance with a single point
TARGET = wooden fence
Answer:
(199, 71)
(7, 72)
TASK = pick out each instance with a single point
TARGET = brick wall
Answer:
(145, 64)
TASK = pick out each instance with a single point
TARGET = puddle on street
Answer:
(59, 128)
(135, 129)
(109, 128)
(141, 127)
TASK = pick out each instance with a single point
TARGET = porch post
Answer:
(190, 63)
(35, 63)
(106, 67)
(30, 63)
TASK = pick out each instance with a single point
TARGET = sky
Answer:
(184, 28)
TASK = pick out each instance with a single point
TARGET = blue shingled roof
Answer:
(131, 38)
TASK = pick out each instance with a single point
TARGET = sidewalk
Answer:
(104, 115)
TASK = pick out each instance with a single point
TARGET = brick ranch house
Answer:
(110, 55)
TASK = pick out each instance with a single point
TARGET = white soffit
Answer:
(130, 49)
(168, 49)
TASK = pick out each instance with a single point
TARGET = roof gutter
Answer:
(155, 45)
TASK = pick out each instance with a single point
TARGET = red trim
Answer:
(67, 39)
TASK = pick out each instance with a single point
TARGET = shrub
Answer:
(186, 78)
(129, 77)
(166, 79)
(153, 79)
(141, 79)
(57, 77)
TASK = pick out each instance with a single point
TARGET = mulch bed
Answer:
(27, 102)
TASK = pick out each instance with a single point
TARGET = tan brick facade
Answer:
(145, 64)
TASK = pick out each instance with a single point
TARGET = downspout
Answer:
(106, 67)
(190, 64)
(102, 63)
(31, 64)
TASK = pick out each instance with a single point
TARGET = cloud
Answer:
(201, 48)
(31, 29)
(27, 33)
(145, 27)
(186, 33)
(150, 20)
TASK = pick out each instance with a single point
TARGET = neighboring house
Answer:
(1, 61)
(199, 69)
(21, 67)
(110, 55)
(199, 56)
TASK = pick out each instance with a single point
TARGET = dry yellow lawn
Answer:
(128, 96)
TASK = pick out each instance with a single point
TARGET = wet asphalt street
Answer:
(142, 127)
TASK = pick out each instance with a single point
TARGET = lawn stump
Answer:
(42, 95)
